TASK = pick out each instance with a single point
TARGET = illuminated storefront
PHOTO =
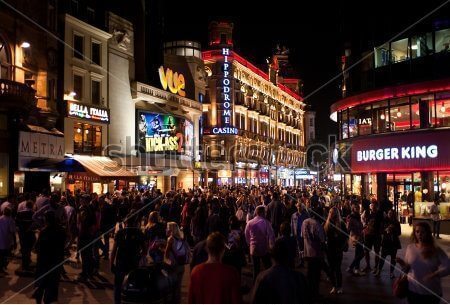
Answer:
(394, 144)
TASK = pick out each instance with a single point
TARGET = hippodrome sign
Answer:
(226, 102)
(174, 81)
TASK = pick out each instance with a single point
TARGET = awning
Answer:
(103, 167)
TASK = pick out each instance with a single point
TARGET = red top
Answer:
(214, 283)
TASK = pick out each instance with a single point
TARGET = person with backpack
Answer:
(86, 229)
(235, 246)
(390, 242)
(176, 255)
(128, 249)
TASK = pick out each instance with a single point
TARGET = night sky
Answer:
(314, 31)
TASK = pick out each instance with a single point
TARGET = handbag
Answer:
(400, 287)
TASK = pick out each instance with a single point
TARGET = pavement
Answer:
(357, 289)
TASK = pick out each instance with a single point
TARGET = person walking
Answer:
(214, 282)
(337, 243)
(280, 283)
(436, 218)
(176, 255)
(27, 238)
(127, 250)
(425, 264)
(296, 228)
(155, 235)
(86, 228)
(355, 228)
(260, 238)
(275, 213)
(390, 242)
(372, 231)
(50, 256)
(314, 239)
(7, 237)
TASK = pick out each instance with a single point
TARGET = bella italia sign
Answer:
(87, 112)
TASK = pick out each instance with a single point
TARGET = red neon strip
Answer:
(391, 92)
(217, 54)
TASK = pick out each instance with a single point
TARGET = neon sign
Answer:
(174, 81)
(226, 102)
(87, 112)
(394, 153)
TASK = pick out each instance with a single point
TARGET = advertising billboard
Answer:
(401, 152)
(165, 133)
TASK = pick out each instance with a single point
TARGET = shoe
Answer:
(376, 273)
(392, 275)
(359, 272)
(366, 270)
(333, 291)
(438, 237)
(350, 270)
(340, 291)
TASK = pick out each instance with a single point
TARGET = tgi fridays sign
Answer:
(87, 112)
(39, 145)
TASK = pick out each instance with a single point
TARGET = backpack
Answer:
(181, 252)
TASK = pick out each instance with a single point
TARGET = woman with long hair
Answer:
(176, 255)
(337, 243)
(425, 264)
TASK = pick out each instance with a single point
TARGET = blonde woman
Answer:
(176, 255)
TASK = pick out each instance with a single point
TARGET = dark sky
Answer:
(314, 31)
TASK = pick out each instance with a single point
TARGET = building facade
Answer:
(28, 80)
(393, 136)
(253, 126)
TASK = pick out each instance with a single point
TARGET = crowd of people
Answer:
(218, 232)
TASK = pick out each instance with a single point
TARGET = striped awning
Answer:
(103, 166)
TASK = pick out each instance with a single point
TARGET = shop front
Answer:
(85, 129)
(264, 175)
(38, 153)
(411, 170)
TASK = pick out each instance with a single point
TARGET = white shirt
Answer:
(421, 267)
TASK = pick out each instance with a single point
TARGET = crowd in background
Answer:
(279, 231)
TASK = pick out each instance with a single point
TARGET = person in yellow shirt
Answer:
(418, 195)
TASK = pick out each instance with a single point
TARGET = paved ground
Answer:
(357, 289)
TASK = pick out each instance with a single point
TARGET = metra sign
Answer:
(87, 112)
(173, 81)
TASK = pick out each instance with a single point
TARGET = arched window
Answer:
(5, 60)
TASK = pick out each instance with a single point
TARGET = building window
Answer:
(52, 18)
(87, 139)
(421, 45)
(443, 109)
(78, 49)
(442, 40)
(311, 122)
(96, 53)
(74, 7)
(5, 60)
(96, 92)
(90, 12)
(380, 117)
(382, 55)
(399, 50)
(78, 86)
(400, 118)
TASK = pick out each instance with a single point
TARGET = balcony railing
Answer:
(16, 95)
(147, 92)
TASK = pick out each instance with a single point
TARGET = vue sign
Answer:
(174, 81)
